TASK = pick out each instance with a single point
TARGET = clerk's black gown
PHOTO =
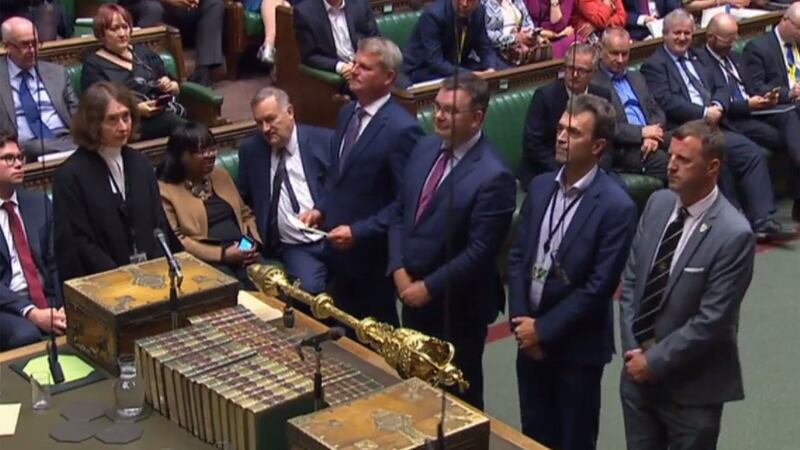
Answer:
(91, 234)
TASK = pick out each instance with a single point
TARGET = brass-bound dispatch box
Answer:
(400, 417)
(108, 311)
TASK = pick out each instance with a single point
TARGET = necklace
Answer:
(200, 190)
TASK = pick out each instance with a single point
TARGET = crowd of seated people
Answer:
(375, 185)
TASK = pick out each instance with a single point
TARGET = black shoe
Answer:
(770, 230)
(796, 211)
(201, 75)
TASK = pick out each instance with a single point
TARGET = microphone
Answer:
(333, 334)
(174, 265)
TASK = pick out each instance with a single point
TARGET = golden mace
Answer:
(409, 352)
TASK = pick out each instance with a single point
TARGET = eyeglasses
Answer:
(12, 160)
(448, 110)
(25, 45)
(208, 151)
(578, 70)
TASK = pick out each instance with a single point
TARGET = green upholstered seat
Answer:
(229, 160)
(253, 25)
(76, 70)
(397, 27)
(322, 75)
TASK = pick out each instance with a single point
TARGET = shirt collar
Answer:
(375, 106)
(462, 149)
(715, 55)
(581, 185)
(700, 207)
(13, 198)
(781, 43)
(331, 9)
(13, 69)
(292, 145)
(672, 55)
(110, 152)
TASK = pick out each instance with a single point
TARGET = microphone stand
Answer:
(319, 392)
(174, 285)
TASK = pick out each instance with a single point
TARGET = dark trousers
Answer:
(654, 422)
(629, 160)
(306, 262)
(559, 403)
(17, 331)
(777, 133)
(468, 337)
(746, 171)
(207, 20)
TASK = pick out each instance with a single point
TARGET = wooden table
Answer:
(160, 433)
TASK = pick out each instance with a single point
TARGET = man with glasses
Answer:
(686, 91)
(36, 99)
(753, 115)
(31, 301)
(547, 105)
(451, 220)
(771, 62)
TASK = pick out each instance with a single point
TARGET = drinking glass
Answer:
(40, 390)
(128, 388)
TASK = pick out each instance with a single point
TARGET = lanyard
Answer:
(551, 231)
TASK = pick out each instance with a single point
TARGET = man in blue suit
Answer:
(432, 51)
(282, 170)
(642, 12)
(457, 190)
(31, 302)
(368, 154)
(575, 230)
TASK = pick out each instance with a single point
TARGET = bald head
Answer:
(723, 32)
(789, 26)
(20, 41)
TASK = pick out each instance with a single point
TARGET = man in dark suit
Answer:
(282, 172)
(642, 12)
(575, 230)
(775, 131)
(432, 51)
(36, 103)
(454, 291)
(686, 91)
(30, 291)
(640, 141)
(368, 155)
(689, 268)
(547, 105)
(771, 63)
(328, 32)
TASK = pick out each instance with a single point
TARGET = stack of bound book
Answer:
(231, 378)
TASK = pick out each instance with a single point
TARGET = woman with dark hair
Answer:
(203, 206)
(135, 66)
(105, 195)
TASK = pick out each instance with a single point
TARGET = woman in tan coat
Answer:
(203, 206)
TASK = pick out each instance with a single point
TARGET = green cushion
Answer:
(398, 27)
(229, 160)
(75, 71)
(640, 187)
(253, 25)
(323, 75)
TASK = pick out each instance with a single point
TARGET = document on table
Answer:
(9, 413)
(778, 109)
(257, 307)
(656, 28)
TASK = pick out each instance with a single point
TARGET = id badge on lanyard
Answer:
(136, 256)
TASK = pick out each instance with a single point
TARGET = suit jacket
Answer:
(634, 10)
(766, 69)
(314, 35)
(478, 221)
(360, 192)
(695, 357)
(737, 109)
(539, 141)
(574, 321)
(255, 167)
(36, 212)
(630, 135)
(431, 49)
(57, 84)
(669, 90)
(188, 218)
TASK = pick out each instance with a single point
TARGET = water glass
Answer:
(128, 388)
(40, 390)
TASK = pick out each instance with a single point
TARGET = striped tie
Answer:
(652, 299)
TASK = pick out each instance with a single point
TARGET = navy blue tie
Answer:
(31, 109)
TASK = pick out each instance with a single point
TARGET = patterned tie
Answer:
(791, 61)
(694, 81)
(35, 289)
(351, 135)
(31, 109)
(281, 177)
(437, 173)
(652, 299)
(733, 83)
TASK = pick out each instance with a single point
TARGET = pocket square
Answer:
(694, 269)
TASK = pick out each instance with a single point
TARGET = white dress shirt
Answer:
(694, 95)
(782, 46)
(558, 206)
(18, 283)
(288, 230)
(113, 158)
(722, 64)
(690, 223)
(341, 34)
(40, 96)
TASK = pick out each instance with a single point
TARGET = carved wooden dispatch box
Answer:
(108, 311)
(399, 417)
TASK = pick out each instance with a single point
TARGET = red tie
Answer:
(433, 183)
(35, 289)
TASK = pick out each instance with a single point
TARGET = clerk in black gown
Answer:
(105, 195)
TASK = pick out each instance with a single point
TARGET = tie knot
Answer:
(9, 205)
(25, 75)
(619, 76)
(683, 213)
(360, 112)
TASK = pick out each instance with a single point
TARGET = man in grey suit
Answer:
(689, 267)
(36, 103)
(640, 143)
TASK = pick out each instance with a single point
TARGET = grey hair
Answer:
(7, 28)
(391, 56)
(582, 49)
(614, 32)
(268, 92)
(677, 16)
(605, 119)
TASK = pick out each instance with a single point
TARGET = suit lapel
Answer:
(338, 141)
(462, 169)
(326, 26)
(263, 163)
(29, 215)
(675, 72)
(537, 214)
(54, 89)
(604, 81)
(351, 27)
(778, 51)
(420, 175)
(363, 141)
(585, 209)
(5, 93)
(307, 158)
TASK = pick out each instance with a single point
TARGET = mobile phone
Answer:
(774, 91)
(246, 244)
(163, 100)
